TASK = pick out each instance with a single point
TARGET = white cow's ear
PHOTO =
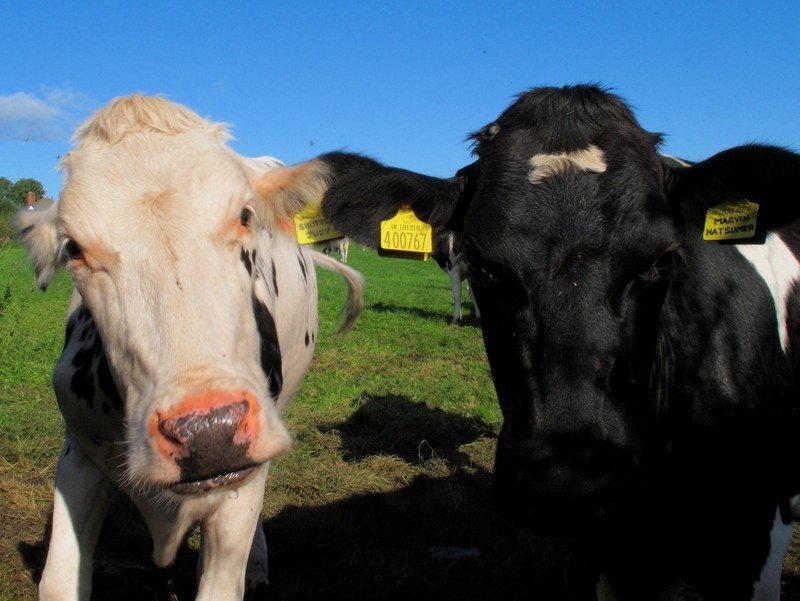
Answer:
(38, 231)
(285, 191)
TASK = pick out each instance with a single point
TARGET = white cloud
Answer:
(28, 117)
(22, 106)
(65, 96)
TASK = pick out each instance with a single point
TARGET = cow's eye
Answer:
(658, 270)
(73, 251)
(246, 217)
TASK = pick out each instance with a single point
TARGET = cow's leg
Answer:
(455, 283)
(745, 564)
(257, 575)
(768, 586)
(474, 302)
(605, 592)
(227, 536)
(82, 497)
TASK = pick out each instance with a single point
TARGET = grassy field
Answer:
(384, 495)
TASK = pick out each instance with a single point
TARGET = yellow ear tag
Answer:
(312, 226)
(406, 233)
(731, 220)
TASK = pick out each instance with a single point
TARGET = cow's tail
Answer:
(37, 230)
(355, 284)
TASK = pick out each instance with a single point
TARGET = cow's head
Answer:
(573, 227)
(569, 239)
(176, 247)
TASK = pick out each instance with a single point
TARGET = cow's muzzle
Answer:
(559, 492)
(210, 438)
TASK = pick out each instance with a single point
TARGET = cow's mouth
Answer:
(193, 487)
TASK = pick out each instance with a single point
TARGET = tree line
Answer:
(12, 197)
(16, 192)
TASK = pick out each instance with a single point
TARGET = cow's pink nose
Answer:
(208, 435)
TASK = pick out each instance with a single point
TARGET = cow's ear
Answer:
(765, 175)
(468, 177)
(285, 191)
(38, 232)
(364, 192)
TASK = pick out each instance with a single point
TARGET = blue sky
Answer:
(403, 82)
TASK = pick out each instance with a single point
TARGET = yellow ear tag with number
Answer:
(311, 225)
(731, 220)
(406, 233)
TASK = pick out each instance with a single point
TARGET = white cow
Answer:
(192, 322)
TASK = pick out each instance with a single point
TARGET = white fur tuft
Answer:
(590, 160)
(38, 231)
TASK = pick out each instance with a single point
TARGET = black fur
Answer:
(270, 347)
(90, 363)
(248, 263)
(357, 204)
(275, 276)
(83, 378)
(562, 119)
(107, 384)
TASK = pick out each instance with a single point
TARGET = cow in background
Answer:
(341, 244)
(451, 261)
(192, 322)
(647, 377)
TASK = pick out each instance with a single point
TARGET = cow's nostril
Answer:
(168, 429)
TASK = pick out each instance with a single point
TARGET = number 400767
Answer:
(408, 241)
(406, 233)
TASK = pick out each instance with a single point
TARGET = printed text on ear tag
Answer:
(406, 233)
(731, 220)
(312, 226)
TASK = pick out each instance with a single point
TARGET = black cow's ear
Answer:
(468, 177)
(764, 175)
(364, 192)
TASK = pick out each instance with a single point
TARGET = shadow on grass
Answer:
(468, 319)
(435, 537)
(790, 586)
(415, 432)
(398, 545)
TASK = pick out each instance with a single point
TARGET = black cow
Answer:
(646, 376)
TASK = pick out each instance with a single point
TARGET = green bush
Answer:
(7, 211)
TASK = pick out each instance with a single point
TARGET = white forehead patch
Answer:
(588, 160)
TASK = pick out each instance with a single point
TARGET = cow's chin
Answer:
(553, 513)
(550, 517)
(221, 481)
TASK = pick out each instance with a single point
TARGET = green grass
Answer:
(394, 431)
